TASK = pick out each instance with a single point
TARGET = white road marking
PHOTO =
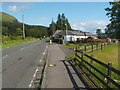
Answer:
(4, 56)
(43, 52)
(21, 49)
(41, 60)
(30, 85)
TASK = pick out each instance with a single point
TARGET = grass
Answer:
(108, 54)
(12, 41)
(74, 45)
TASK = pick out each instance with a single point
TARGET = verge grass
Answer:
(12, 41)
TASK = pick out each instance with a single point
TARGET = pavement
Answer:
(19, 63)
(59, 73)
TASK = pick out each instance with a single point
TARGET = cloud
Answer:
(12, 8)
(42, 19)
(15, 8)
(90, 26)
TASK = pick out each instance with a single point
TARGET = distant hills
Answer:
(12, 27)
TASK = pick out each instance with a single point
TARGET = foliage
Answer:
(98, 32)
(61, 24)
(113, 28)
(52, 28)
(7, 18)
(11, 27)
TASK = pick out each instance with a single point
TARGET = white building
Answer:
(72, 35)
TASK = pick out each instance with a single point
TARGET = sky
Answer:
(84, 16)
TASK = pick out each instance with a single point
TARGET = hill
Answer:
(7, 18)
(12, 27)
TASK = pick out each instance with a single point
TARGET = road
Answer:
(19, 63)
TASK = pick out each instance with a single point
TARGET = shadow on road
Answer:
(72, 72)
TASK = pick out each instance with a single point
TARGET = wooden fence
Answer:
(92, 47)
(91, 67)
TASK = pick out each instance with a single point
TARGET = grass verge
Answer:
(12, 41)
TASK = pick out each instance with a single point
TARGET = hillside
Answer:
(12, 27)
(7, 18)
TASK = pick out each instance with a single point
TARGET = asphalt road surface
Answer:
(19, 63)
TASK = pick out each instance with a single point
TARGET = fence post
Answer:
(91, 63)
(92, 47)
(85, 49)
(81, 60)
(75, 53)
(109, 72)
(101, 46)
(104, 44)
(97, 46)
(82, 54)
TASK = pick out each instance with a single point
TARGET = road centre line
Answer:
(21, 49)
(4, 56)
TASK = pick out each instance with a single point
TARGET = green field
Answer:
(108, 54)
(12, 41)
(72, 45)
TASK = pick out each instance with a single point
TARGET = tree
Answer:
(52, 28)
(68, 25)
(63, 22)
(5, 31)
(113, 28)
(18, 32)
(98, 32)
(59, 22)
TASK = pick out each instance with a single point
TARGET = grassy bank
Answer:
(12, 41)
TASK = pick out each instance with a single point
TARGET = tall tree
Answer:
(68, 25)
(59, 22)
(113, 29)
(52, 28)
(63, 22)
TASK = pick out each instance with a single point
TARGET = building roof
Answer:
(72, 32)
(57, 32)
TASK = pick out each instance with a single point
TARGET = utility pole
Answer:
(23, 27)
(53, 26)
(66, 32)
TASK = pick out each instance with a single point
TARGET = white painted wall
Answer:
(73, 37)
(69, 38)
